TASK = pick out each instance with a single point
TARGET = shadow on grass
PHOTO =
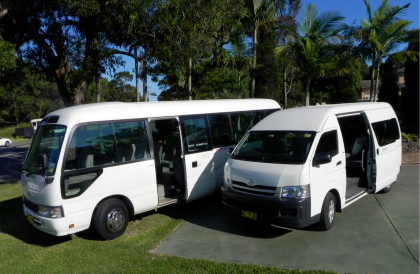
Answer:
(209, 213)
(14, 223)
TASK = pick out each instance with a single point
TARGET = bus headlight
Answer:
(295, 192)
(50, 212)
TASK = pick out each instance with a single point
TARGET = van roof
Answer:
(311, 118)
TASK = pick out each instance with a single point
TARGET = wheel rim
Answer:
(115, 219)
(331, 210)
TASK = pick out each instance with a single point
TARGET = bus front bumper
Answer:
(56, 227)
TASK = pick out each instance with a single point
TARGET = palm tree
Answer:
(380, 35)
(313, 43)
(258, 13)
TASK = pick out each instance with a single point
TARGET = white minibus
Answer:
(100, 164)
(297, 167)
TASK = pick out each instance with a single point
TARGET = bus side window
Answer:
(242, 122)
(195, 134)
(220, 130)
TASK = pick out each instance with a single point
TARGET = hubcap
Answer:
(331, 211)
(115, 219)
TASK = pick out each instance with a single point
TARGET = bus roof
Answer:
(311, 118)
(117, 110)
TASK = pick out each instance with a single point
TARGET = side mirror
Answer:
(229, 151)
(42, 162)
(322, 158)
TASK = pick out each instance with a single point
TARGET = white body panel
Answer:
(136, 181)
(324, 178)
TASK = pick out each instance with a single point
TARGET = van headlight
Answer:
(50, 212)
(295, 192)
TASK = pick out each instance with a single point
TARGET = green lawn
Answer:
(24, 249)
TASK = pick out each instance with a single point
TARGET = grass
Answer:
(9, 132)
(24, 249)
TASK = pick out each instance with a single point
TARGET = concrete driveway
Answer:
(377, 234)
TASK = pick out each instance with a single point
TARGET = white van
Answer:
(299, 166)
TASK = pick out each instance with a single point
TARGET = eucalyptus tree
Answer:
(380, 35)
(313, 43)
(65, 39)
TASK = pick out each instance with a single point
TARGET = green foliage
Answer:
(409, 137)
(7, 56)
(26, 249)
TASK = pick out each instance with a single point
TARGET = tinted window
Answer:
(107, 143)
(386, 132)
(220, 130)
(328, 143)
(281, 147)
(195, 134)
(242, 122)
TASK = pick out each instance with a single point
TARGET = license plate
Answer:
(30, 219)
(249, 215)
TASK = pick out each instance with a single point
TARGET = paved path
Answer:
(377, 234)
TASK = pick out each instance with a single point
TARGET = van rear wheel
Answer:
(110, 219)
(327, 213)
(386, 189)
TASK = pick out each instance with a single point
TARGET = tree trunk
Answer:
(189, 79)
(284, 88)
(80, 92)
(307, 92)
(376, 81)
(136, 68)
(254, 63)
(144, 79)
(98, 89)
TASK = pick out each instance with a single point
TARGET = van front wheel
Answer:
(327, 213)
(110, 219)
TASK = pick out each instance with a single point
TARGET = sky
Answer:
(353, 10)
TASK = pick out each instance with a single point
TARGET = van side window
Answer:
(195, 134)
(220, 130)
(386, 131)
(328, 143)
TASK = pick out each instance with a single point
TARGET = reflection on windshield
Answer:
(282, 147)
(48, 141)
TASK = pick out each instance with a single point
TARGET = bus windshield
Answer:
(281, 147)
(48, 141)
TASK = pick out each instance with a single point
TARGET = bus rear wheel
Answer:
(110, 219)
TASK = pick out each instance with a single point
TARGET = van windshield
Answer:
(280, 147)
(48, 141)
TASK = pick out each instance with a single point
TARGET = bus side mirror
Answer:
(322, 158)
(229, 151)
(42, 162)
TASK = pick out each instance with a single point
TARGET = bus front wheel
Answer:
(110, 219)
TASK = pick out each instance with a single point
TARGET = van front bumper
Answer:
(294, 213)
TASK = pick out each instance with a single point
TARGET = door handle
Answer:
(194, 164)
(338, 163)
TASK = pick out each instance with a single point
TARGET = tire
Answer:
(327, 213)
(110, 219)
(7, 143)
(386, 189)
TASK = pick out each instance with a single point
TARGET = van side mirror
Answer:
(42, 162)
(322, 158)
(229, 151)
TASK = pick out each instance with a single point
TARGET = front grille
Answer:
(269, 191)
(253, 191)
(32, 206)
